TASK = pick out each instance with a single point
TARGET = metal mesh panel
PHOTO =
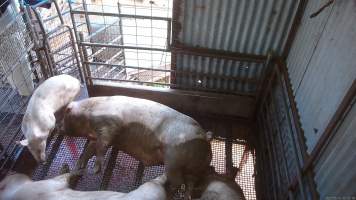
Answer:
(126, 41)
(126, 173)
(56, 41)
(19, 73)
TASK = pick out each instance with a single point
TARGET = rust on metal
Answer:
(321, 9)
(176, 29)
(198, 51)
(282, 67)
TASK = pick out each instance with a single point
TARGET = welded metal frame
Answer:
(84, 45)
(45, 36)
(13, 103)
(303, 181)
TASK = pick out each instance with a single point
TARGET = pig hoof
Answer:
(78, 167)
(65, 169)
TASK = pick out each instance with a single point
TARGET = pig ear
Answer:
(209, 135)
(22, 142)
(68, 109)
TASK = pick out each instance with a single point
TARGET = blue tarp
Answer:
(34, 2)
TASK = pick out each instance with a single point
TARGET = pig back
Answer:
(54, 93)
(164, 123)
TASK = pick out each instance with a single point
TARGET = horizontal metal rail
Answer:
(96, 53)
(129, 67)
(251, 80)
(120, 15)
(248, 94)
(130, 81)
(89, 44)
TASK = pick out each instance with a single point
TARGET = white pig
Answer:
(21, 187)
(151, 132)
(218, 187)
(39, 120)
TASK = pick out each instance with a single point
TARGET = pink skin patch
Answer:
(72, 147)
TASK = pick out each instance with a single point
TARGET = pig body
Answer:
(21, 187)
(151, 132)
(39, 119)
(218, 187)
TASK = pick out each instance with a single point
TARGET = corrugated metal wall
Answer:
(218, 74)
(278, 154)
(244, 26)
(322, 68)
(322, 64)
(335, 172)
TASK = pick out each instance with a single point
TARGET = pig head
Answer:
(45, 104)
(36, 134)
(218, 186)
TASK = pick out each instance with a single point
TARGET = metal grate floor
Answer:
(123, 173)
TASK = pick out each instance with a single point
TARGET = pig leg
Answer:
(100, 152)
(189, 186)
(89, 152)
(174, 179)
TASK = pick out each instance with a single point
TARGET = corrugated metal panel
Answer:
(278, 150)
(322, 64)
(245, 26)
(335, 172)
(217, 74)
(306, 41)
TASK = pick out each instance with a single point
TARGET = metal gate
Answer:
(55, 43)
(127, 41)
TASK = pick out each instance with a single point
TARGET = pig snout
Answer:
(38, 150)
(40, 157)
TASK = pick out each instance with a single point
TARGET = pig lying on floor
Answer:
(39, 120)
(21, 187)
(151, 132)
(219, 187)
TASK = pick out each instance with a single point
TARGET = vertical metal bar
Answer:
(301, 147)
(270, 153)
(264, 76)
(273, 149)
(169, 30)
(58, 11)
(122, 36)
(87, 20)
(85, 59)
(228, 151)
(75, 53)
(244, 158)
(80, 65)
(45, 43)
(34, 38)
(273, 108)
